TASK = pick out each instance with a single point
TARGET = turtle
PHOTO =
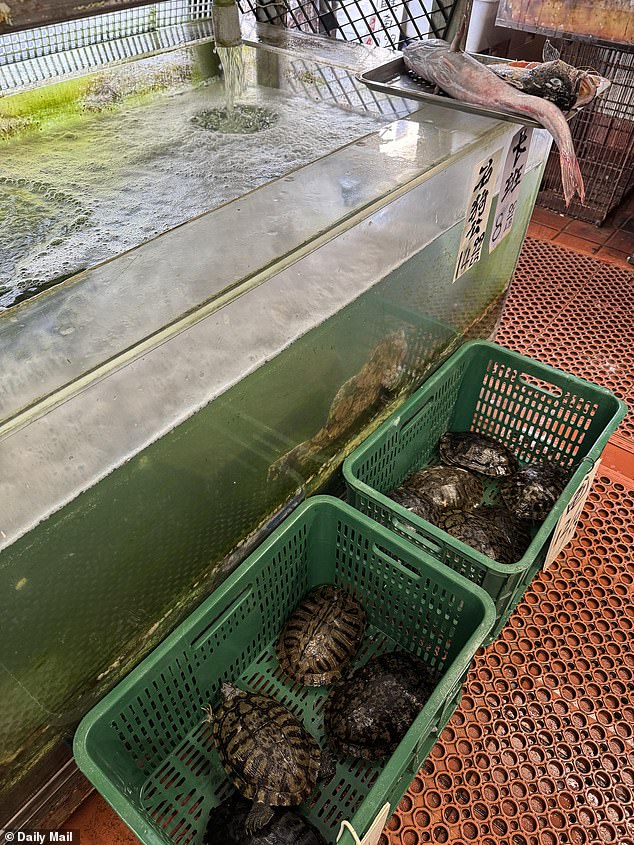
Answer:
(446, 487)
(516, 532)
(226, 826)
(355, 402)
(487, 530)
(269, 756)
(369, 712)
(321, 636)
(477, 452)
(413, 501)
(531, 492)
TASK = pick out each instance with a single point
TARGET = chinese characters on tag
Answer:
(474, 233)
(510, 186)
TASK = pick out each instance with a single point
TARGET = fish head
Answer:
(590, 85)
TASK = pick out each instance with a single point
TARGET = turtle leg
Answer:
(328, 764)
(259, 816)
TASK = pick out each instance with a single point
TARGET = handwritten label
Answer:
(510, 186)
(567, 525)
(484, 179)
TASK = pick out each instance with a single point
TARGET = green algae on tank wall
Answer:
(105, 578)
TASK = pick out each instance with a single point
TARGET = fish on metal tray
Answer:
(465, 78)
(564, 85)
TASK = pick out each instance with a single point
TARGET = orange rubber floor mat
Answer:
(575, 313)
(541, 749)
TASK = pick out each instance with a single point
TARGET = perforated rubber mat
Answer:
(576, 313)
(541, 749)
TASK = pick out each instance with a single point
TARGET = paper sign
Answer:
(510, 186)
(484, 179)
(567, 525)
(374, 833)
(371, 21)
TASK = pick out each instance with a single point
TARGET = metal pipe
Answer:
(226, 22)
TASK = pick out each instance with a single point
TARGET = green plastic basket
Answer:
(535, 410)
(144, 745)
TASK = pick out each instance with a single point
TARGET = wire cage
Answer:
(603, 135)
(385, 23)
(33, 56)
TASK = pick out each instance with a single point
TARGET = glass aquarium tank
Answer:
(204, 311)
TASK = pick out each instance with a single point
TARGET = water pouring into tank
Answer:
(310, 423)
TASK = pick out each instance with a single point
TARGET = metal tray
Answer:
(396, 79)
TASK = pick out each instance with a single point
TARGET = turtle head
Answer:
(228, 692)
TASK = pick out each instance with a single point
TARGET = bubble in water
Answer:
(243, 120)
(144, 167)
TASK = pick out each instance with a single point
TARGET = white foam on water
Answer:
(108, 181)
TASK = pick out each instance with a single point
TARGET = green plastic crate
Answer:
(145, 746)
(535, 410)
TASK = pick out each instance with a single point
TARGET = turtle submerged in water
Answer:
(446, 487)
(476, 452)
(321, 636)
(420, 505)
(227, 821)
(269, 756)
(368, 713)
(531, 492)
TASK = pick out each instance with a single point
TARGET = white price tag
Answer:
(510, 186)
(374, 833)
(567, 525)
(483, 180)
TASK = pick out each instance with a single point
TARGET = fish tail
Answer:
(571, 177)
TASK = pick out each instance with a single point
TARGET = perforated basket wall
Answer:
(535, 410)
(144, 745)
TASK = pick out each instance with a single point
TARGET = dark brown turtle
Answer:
(446, 487)
(414, 502)
(368, 713)
(269, 756)
(321, 636)
(531, 492)
(226, 827)
(477, 452)
(515, 531)
(491, 531)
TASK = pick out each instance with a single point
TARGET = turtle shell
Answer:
(531, 492)
(413, 501)
(446, 487)
(269, 756)
(226, 826)
(367, 714)
(488, 531)
(477, 452)
(321, 636)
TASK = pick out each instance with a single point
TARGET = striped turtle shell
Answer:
(369, 713)
(267, 753)
(533, 490)
(477, 452)
(446, 487)
(415, 502)
(493, 532)
(321, 636)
